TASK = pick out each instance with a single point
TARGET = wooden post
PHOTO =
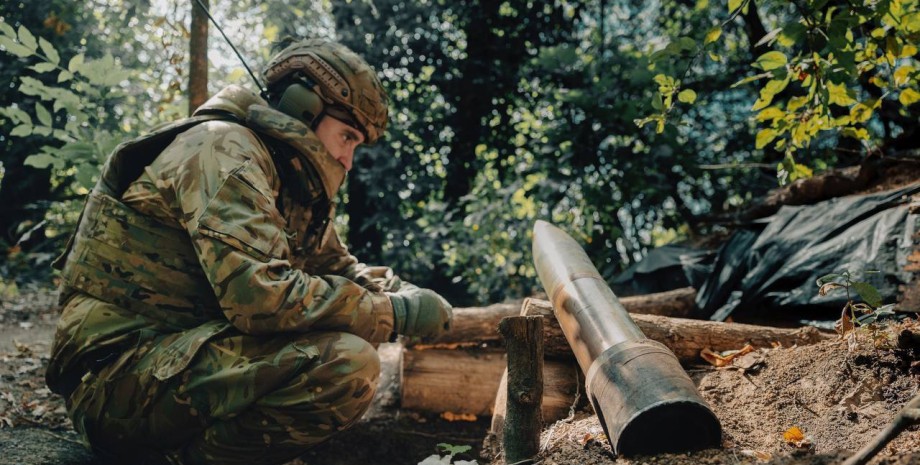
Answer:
(523, 337)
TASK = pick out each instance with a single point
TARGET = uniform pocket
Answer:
(245, 218)
(179, 350)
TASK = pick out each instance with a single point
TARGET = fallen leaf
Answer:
(795, 437)
(757, 454)
(451, 416)
(793, 434)
(724, 358)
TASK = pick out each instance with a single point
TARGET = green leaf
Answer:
(27, 39)
(771, 60)
(43, 67)
(85, 175)
(734, 5)
(19, 50)
(44, 116)
(64, 76)
(713, 35)
(751, 79)
(868, 293)
(855, 133)
(840, 95)
(862, 111)
(687, 96)
(75, 63)
(902, 75)
(764, 137)
(452, 450)
(687, 43)
(792, 34)
(829, 278)
(657, 103)
(7, 30)
(49, 51)
(22, 130)
(771, 113)
(909, 97)
(40, 161)
(16, 115)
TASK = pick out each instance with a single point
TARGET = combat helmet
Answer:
(312, 78)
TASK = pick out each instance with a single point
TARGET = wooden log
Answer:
(473, 326)
(465, 382)
(686, 338)
(523, 337)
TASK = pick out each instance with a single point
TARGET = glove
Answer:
(420, 312)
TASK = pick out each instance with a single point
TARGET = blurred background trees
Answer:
(630, 124)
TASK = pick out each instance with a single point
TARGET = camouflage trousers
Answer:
(242, 399)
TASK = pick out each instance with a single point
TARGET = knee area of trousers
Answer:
(350, 355)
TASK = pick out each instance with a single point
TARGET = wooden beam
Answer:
(465, 382)
(478, 325)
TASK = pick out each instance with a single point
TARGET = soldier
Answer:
(210, 312)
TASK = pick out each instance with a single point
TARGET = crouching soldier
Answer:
(210, 313)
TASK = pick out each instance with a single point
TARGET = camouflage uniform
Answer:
(210, 312)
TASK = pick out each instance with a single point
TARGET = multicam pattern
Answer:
(199, 316)
(344, 79)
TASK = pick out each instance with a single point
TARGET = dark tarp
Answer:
(776, 269)
(663, 269)
(772, 265)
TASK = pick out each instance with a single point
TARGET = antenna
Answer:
(262, 91)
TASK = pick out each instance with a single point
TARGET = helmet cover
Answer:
(343, 80)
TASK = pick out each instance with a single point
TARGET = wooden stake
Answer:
(523, 337)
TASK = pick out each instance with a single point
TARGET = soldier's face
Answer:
(340, 139)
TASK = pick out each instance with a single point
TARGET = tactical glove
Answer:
(420, 312)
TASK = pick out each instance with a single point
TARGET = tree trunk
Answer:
(198, 58)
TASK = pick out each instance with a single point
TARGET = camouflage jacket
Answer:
(229, 225)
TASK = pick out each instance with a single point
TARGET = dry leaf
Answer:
(844, 325)
(451, 416)
(795, 437)
(757, 454)
(724, 358)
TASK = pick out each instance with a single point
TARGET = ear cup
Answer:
(302, 103)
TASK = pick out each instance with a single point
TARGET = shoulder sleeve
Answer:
(226, 195)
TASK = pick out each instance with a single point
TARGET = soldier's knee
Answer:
(356, 358)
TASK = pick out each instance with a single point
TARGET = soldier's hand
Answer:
(420, 312)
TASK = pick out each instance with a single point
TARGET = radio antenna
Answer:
(262, 91)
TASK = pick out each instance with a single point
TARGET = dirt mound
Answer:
(838, 397)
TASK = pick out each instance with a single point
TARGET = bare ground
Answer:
(839, 397)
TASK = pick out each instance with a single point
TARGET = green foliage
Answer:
(71, 113)
(855, 314)
(829, 75)
(502, 113)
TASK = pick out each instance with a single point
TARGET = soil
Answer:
(839, 393)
